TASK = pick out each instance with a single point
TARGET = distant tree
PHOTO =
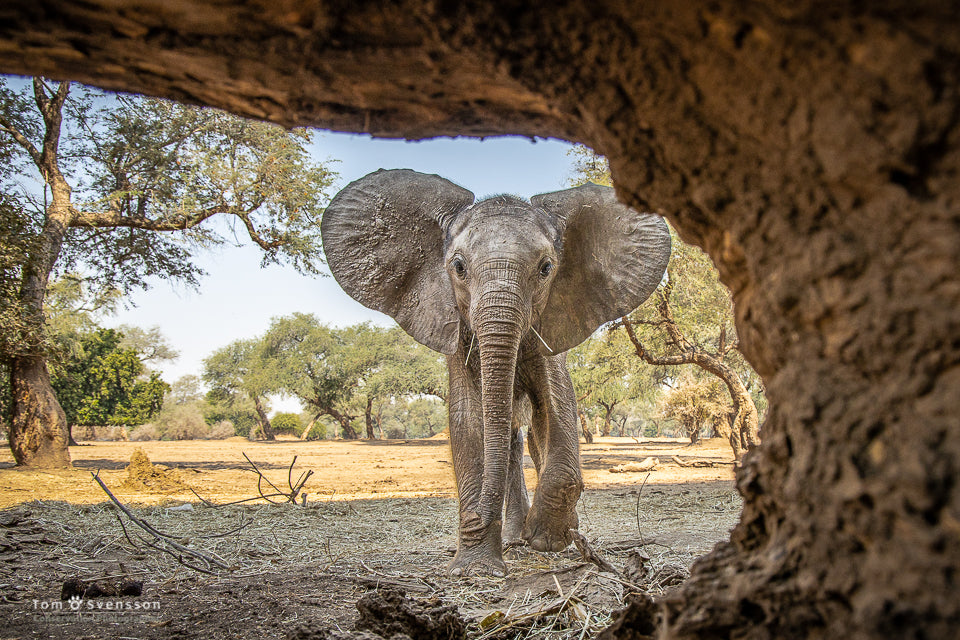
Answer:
(605, 375)
(390, 365)
(243, 368)
(186, 390)
(416, 418)
(103, 383)
(150, 344)
(220, 406)
(287, 423)
(694, 404)
(312, 364)
(128, 187)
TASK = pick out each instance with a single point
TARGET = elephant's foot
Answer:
(479, 551)
(513, 530)
(552, 516)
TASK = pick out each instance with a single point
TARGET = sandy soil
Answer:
(377, 513)
(361, 469)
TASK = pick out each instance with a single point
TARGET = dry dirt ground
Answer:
(377, 513)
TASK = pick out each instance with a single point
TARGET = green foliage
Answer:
(100, 383)
(289, 423)
(17, 333)
(420, 417)
(225, 407)
(181, 422)
(242, 367)
(694, 403)
(606, 375)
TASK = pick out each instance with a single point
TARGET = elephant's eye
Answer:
(459, 267)
(546, 269)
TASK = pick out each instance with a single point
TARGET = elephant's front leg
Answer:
(555, 434)
(479, 547)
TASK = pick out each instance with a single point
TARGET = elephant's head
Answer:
(415, 246)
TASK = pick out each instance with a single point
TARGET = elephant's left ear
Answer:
(612, 259)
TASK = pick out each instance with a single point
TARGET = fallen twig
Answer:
(290, 496)
(161, 541)
(588, 554)
(639, 493)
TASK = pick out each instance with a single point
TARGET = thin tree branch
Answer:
(21, 139)
(112, 218)
(163, 542)
(687, 357)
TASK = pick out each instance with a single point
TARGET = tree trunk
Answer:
(368, 418)
(263, 422)
(38, 430)
(306, 432)
(584, 425)
(346, 429)
(608, 409)
(39, 434)
(380, 422)
(744, 427)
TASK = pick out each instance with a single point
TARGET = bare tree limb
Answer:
(291, 496)
(164, 542)
(21, 139)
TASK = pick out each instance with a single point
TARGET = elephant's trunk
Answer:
(499, 323)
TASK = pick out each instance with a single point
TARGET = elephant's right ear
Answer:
(383, 237)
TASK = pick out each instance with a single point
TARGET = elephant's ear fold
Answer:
(612, 259)
(383, 238)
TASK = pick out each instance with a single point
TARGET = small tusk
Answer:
(541, 339)
(470, 350)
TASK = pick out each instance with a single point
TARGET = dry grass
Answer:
(291, 564)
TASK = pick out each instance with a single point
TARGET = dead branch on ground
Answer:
(290, 496)
(165, 542)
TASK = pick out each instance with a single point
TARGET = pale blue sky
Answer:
(237, 298)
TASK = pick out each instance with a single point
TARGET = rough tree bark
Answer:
(811, 148)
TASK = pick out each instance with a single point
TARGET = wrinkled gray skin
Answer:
(479, 282)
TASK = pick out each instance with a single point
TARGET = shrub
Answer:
(181, 422)
(289, 423)
(222, 430)
(145, 432)
(318, 431)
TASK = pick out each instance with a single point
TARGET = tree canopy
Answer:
(121, 189)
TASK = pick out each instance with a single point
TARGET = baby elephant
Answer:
(503, 287)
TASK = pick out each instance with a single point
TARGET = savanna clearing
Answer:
(377, 513)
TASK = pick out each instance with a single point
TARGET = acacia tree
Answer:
(392, 365)
(128, 188)
(312, 364)
(605, 376)
(242, 368)
(693, 403)
(684, 336)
